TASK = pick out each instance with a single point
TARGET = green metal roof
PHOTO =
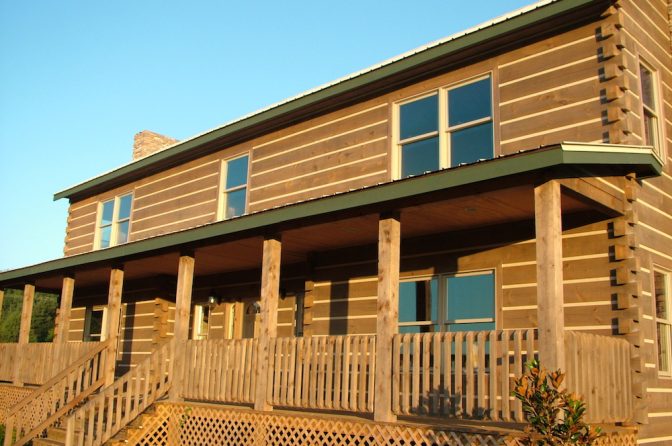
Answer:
(202, 144)
(632, 158)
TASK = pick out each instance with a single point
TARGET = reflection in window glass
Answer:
(114, 221)
(234, 198)
(418, 306)
(469, 102)
(419, 117)
(649, 108)
(420, 157)
(125, 206)
(663, 301)
(471, 144)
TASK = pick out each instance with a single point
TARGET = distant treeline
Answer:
(42, 323)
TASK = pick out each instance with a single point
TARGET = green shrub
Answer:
(554, 416)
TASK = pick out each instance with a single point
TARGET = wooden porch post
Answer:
(2, 299)
(270, 293)
(389, 235)
(111, 330)
(24, 331)
(185, 280)
(63, 326)
(550, 295)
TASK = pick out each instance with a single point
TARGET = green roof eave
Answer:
(636, 158)
(154, 162)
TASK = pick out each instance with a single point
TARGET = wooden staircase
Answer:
(78, 416)
(55, 398)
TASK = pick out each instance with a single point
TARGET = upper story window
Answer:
(447, 128)
(455, 302)
(650, 107)
(114, 221)
(233, 200)
(662, 281)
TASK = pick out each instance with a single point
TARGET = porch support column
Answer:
(185, 281)
(270, 294)
(111, 330)
(63, 326)
(24, 331)
(550, 295)
(2, 299)
(389, 234)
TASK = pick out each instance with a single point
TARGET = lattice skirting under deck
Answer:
(191, 424)
(9, 396)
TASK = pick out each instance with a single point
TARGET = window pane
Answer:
(420, 157)
(125, 206)
(235, 203)
(649, 129)
(661, 294)
(108, 210)
(105, 233)
(471, 144)
(664, 354)
(122, 232)
(419, 117)
(646, 78)
(471, 297)
(418, 301)
(469, 102)
(236, 172)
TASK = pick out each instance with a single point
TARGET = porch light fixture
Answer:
(213, 301)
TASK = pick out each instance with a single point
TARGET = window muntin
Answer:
(234, 187)
(455, 302)
(650, 114)
(445, 129)
(115, 220)
(662, 281)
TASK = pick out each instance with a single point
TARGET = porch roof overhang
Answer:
(517, 28)
(564, 160)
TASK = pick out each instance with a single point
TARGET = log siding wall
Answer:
(646, 36)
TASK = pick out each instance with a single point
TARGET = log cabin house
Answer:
(373, 261)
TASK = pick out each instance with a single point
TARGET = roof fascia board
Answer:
(349, 84)
(567, 155)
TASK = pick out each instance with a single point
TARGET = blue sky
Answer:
(79, 78)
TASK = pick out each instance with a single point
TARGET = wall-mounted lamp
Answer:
(213, 301)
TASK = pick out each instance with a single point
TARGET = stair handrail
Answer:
(56, 397)
(112, 409)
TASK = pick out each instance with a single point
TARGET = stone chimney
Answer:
(146, 142)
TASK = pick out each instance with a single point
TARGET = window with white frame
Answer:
(233, 200)
(201, 322)
(450, 302)
(446, 128)
(114, 221)
(95, 319)
(650, 108)
(662, 281)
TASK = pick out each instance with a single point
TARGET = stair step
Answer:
(47, 442)
(56, 434)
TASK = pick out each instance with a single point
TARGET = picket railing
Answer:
(220, 370)
(598, 369)
(56, 397)
(106, 413)
(38, 362)
(461, 374)
(333, 372)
